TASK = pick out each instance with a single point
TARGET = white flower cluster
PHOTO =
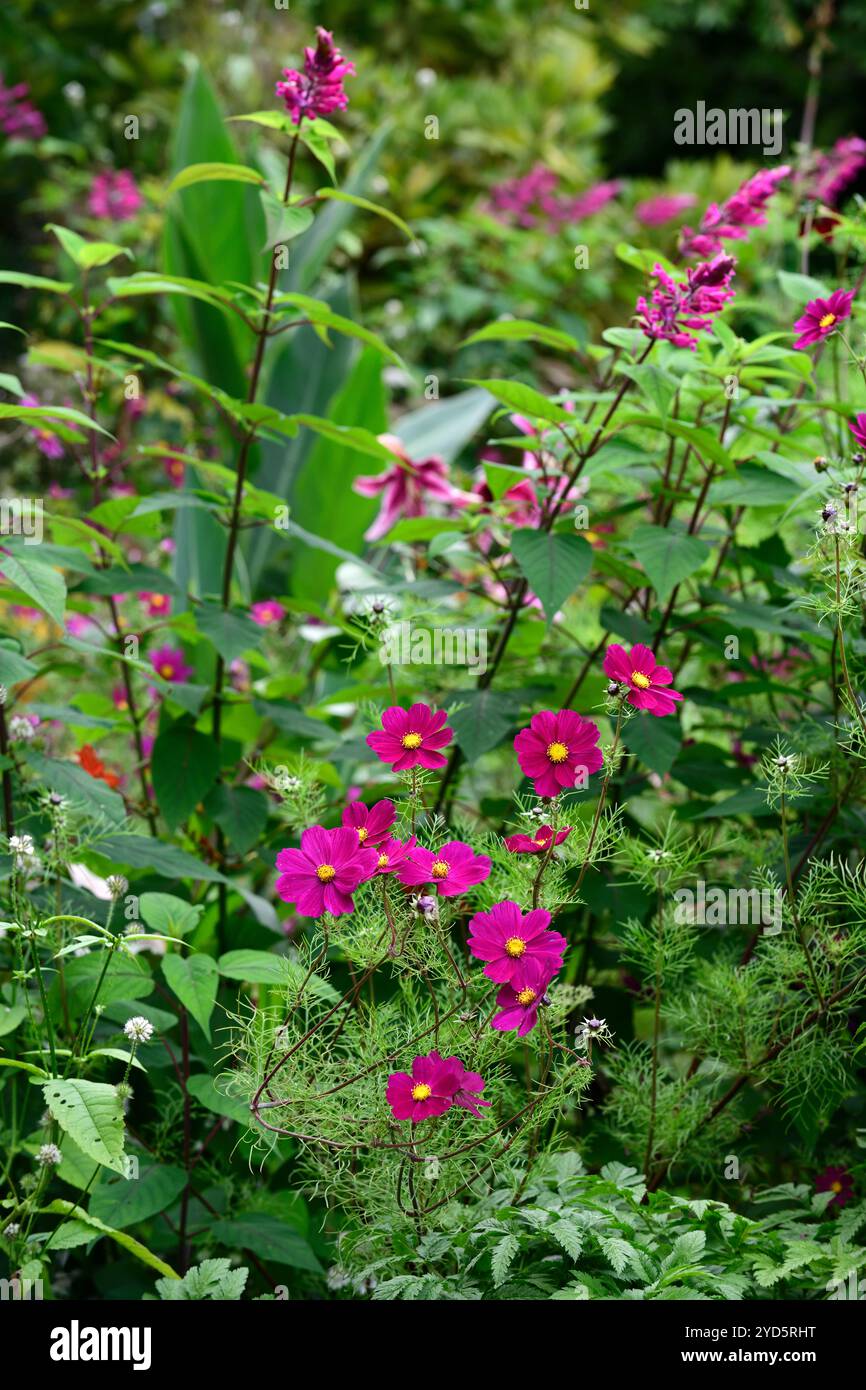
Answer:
(138, 1029)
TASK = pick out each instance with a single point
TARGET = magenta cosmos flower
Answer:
(558, 750)
(267, 613)
(821, 317)
(538, 843)
(453, 869)
(838, 1181)
(169, 663)
(318, 90)
(518, 1007)
(406, 486)
(158, 605)
(323, 874)
(411, 737)
(371, 822)
(436, 1083)
(646, 681)
(114, 196)
(392, 853)
(510, 942)
(858, 429)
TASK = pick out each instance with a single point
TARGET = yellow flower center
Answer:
(836, 1186)
(383, 861)
(362, 833)
(158, 601)
(526, 997)
(440, 869)
(166, 671)
(411, 740)
(542, 839)
(421, 1092)
(827, 321)
(640, 680)
(325, 873)
(557, 752)
(514, 947)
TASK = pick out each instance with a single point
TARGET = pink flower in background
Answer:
(323, 874)
(175, 471)
(676, 306)
(821, 317)
(118, 696)
(838, 1181)
(318, 90)
(663, 207)
(411, 737)
(647, 681)
(510, 942)
(168, 662)
(406, 486)
(453, 869)
(267, 613)
(518, 1008)
(858, 428)
(836, 169)
(432, 1088)
(730, 222)
(372, 823)
(530, 200)
(392, 853)
(19, 118)
(78, 625)
(592, 200)
(158, 605)
(58, 493)
(538, 843)
(46, 442)
(114, 196)
(558, 751)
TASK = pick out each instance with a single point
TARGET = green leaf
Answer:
(10, 1016)
(47, 413)
(195, 980)
(184, 764)
(34, 282)
(340, 195)
(121, 1201)
(656, 742)
(667, 556)
(269, 1237)
(129, 1243)
(254, 967)
(801, 288)
(241, 813)
(142, 852)
(526, 401)
(168, 915)
(87, 255)
(231, 633)
(502, 1258)
(91, 1113)
(14, 667)
(206, 1093)
(658, 386)
(487, 719)
(323, 317)
(522, 331)
(72, 781)
(283, 222)
(352, 437)
(210, 173)
(553, 564)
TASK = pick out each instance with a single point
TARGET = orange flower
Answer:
(92, 764)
